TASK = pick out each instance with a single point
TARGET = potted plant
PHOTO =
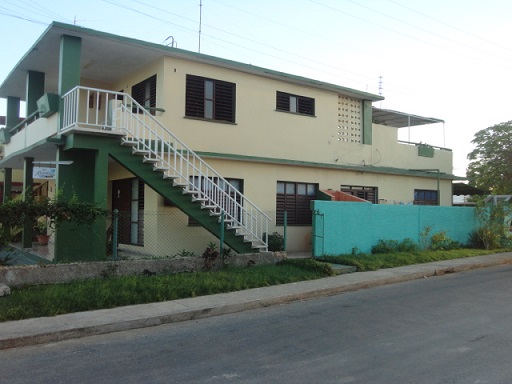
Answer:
(41, 231)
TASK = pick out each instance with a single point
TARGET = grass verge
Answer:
(369, 262)
(57, 299)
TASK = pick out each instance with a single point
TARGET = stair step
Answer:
(136, 151)
(128, 142)
(177, 183)
(215, 209)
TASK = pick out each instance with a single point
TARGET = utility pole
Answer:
(380, 90)
(200, 23)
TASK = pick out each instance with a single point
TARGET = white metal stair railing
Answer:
(175, 160)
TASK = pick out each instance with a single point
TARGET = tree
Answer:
(490, 162)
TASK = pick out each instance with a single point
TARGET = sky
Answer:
(448, 59)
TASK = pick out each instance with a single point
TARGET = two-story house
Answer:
(139, 127)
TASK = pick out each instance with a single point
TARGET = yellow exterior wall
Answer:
(262, 132)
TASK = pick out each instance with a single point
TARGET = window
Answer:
(426, 197)
(210, 99)
(295, 104)
(230, 207)
(294, 198)
(366, 193)
(144, 93)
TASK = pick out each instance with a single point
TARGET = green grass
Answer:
(369, 262)
(56, 299)
(110, 292)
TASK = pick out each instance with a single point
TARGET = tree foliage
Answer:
(13, 213)
(490, 162)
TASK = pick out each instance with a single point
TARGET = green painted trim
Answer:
(367, 123)
(297, 163)
(35, 90)
(230, 64)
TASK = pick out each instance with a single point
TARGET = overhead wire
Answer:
(416, 26)
(315, 65)
(447, 49)
(279, 50)
(450, 26)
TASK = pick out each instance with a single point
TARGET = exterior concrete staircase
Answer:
(153, 153)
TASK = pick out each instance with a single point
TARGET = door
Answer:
(121, 200)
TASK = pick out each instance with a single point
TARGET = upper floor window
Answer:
(144, 93)
(295, 104)
(210, 99)
(426, 197)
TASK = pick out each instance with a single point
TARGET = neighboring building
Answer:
(277, 138)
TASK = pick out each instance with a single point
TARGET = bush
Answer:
(385, 246)
(484, 238)
(441, 242)
(275, 242)
(408, 245)
(392, 246)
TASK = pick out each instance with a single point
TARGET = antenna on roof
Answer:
(173, 43)
(200, 23)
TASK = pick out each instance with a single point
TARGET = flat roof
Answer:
(400, 119)
(102, 53)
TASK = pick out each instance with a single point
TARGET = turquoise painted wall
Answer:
(339, 227)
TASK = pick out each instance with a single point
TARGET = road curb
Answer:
(71, 326)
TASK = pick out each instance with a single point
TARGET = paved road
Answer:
(449, 329)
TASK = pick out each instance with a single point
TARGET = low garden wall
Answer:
(61, 273)
(344, 227)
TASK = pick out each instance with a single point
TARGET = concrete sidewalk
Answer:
(50, 329)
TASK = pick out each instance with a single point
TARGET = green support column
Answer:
(35, 89)
(69, 66)
(28, 225)
(7, 192)
(13, 112)
(87, 179)
(12, 117)
(367, 122)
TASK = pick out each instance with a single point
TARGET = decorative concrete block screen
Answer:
(340, 227)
